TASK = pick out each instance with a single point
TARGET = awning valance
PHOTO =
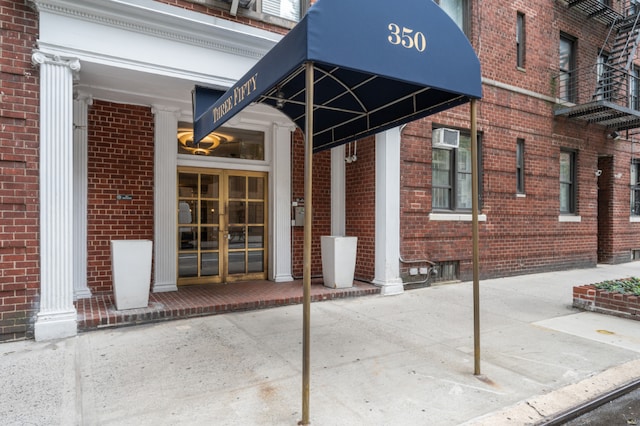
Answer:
(377, 64)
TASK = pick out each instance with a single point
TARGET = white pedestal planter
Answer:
(338, 260)
(131, 269)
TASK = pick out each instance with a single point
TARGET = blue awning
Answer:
(377, 64)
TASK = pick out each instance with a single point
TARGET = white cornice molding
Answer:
(169, 22)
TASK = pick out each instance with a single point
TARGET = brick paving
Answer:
(99, 311)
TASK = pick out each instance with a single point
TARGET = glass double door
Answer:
(221, 226)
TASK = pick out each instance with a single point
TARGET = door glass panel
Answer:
(209, 212)
(237, 187)
(236, 263)
(209, 238)
(210, 186)
(236, 237)
(210, 264)
(256, 188)
(256, 237)
(188, 238)
(187, 211)
(236, 212)
(188, 185)
(256, 212)
(188, 265)
(256, 261)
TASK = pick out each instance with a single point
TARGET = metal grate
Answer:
(447, 271)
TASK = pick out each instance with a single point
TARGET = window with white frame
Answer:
(635, 187)
(287, 9)
(458, 11)
(279, 12)
(568, 182)
(451, 176)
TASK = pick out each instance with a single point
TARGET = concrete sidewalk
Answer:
(397, 360)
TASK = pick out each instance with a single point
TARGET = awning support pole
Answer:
(306, 278)
(474, 232)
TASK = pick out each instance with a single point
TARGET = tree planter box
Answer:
(589, 298)
(131, 269)
(338, 260)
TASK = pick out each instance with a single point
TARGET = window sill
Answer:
(569, 218)
(521, 195)
(634, 219)
(456, 217)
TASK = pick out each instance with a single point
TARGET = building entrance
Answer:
(221, 226)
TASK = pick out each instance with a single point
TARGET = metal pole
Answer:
(474, 232)
(306, 277)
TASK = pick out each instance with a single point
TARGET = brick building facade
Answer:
(555, 190)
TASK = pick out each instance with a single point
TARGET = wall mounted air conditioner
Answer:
(445, 138)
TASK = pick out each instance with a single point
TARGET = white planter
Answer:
(338, 260)
(131, 269)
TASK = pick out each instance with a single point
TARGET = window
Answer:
(520, 166)
(566, 89)
(451, 176)
(287, 9)
(457, 10)
(567, 182)
(225, 143)
(634, 88)
(635, 187)
(605, 86)
(520, 40)
(273, 11)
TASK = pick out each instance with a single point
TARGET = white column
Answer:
(387, 266)
(165, 211)
(81, 104)
(57, 315)
(280, 238)
(338, 209)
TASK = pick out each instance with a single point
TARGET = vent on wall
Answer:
(445, 138)
(447, 271)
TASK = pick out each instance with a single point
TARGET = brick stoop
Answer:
(589, 298)
(99, 311)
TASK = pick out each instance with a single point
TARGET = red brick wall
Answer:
(19, 165)
(360, 206)
(120, 162)
(321, 204)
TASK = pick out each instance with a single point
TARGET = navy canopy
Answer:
(377, 64)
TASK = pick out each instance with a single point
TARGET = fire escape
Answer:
(608, 92)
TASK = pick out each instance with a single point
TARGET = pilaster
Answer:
(387, 257)
(165, 210)
(338, 200)
(57, 315)
(81, 104)
(280, 263)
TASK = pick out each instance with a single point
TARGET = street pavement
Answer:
(375, 360)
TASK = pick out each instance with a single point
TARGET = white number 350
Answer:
(407, 38)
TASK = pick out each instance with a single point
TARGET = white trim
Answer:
(387, 213)
(57, 315)
(521, 195)
(456, 217)
(569, 218)
(338, 195)
(634, 219)
(164, 199)
(81, 104)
